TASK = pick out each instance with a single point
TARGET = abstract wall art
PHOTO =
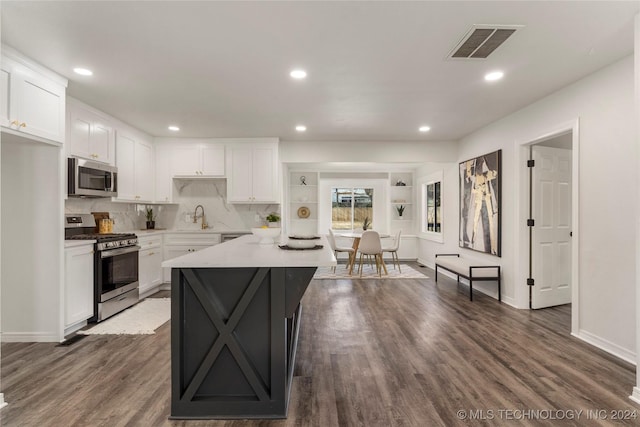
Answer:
(480, 197)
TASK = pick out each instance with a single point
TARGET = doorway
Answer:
(551, 233)
(532, 286)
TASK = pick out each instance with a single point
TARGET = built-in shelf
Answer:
(401, 192)
(308, 192)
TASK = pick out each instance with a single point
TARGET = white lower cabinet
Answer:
(150, 263)
(78, 284)
(178, 244)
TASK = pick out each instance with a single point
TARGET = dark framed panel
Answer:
(480, 198)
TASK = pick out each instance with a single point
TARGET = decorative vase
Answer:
(273, 224)
(151, 225)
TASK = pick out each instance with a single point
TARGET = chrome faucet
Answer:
(195, 217)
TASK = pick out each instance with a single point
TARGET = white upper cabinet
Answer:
(252, 175)
(90, 134)
(198, 159)
(134, 159)
(33, 98)
(186, 158)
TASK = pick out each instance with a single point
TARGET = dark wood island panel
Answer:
(234, 333)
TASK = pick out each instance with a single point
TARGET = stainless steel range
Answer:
(115, 265)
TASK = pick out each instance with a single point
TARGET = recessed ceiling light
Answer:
(83, 71)
(174, 128)
(424, 128)
(298, 74)
(301, 128)
(493, 76)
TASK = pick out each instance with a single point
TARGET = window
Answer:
(431, 220)
(350, 207)
(346, 199)
(434, 210)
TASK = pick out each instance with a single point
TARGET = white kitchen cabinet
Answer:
(134, 159)
(150, 263)
(198, 160)
(163, 175)
(178, 244)
(78, 284)
(188, 159)
(90, 135)
(252, 173)
(33, 99)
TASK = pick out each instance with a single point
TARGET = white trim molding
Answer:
(2, 402)
(605, 345)
(30, 337)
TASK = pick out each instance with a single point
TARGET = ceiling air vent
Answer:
(482, 40)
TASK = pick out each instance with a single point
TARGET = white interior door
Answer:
(552, 231)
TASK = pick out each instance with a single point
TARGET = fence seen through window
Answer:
(350, 207)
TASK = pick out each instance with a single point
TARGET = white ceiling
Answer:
(377, 70)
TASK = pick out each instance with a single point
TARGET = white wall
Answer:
(367, 151)
(32, 240)
(428, 248)
(604, 104)
(636, 390)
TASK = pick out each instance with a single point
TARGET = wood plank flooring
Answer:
(371, 353)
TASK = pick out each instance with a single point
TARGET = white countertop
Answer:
(245, 251)
(193, 231)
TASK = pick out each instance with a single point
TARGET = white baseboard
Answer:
(608, 346)
(2, 402)
(425, 263)
(73, 328)
(152, 291)
(635, 395)
(30, 337)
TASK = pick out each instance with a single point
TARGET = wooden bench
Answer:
(472, 272)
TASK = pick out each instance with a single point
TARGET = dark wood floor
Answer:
(371, 353)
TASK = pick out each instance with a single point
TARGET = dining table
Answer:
(356, 235)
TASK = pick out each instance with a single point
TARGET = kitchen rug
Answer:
(141, 319)
(368, 272)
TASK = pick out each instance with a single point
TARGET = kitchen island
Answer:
(235, 316)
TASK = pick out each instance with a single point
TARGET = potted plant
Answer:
(151, 223)
(273, 219)
(400, 210)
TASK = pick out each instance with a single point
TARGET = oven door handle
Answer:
(119, 251)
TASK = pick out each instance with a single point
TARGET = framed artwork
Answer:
(480, 198)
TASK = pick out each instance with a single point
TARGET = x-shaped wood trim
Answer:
(226, 335)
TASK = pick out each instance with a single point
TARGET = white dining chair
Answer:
(370, 245)
(393, 250)
(337, 249)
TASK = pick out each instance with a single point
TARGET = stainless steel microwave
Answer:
(91, 179)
